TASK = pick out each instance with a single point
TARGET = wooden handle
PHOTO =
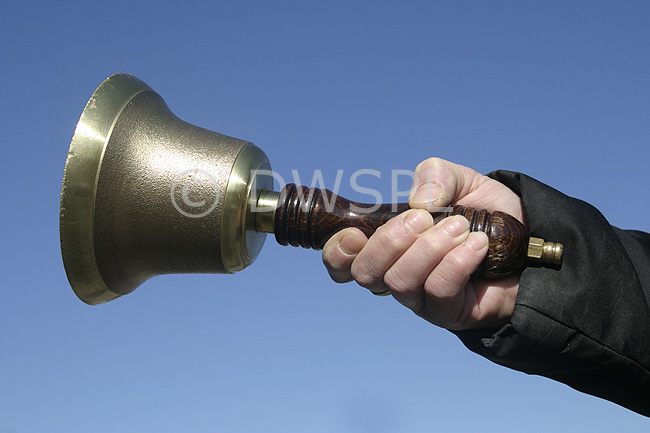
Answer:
(308, 217)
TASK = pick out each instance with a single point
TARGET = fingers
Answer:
(436, 261)
(446, 301)
(340, 251)
(438, 183)
(386, 246)
(425, 267)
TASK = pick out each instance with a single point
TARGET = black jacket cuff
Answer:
(587, 324)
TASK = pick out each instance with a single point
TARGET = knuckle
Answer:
(463, 261)
(365, 277)
(429, 164)
(445, 288)
(338, 270)
(439, 240)
(365, 281)
(432, 240)
(334, 261)
(393, 236)
(442, 289)
(385, 232)
(456, 262)
(397, 281)
(327, 258)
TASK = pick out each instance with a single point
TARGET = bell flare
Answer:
(145, 193)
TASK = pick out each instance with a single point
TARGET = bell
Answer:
(145, 193)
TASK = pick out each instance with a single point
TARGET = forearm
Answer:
(587, 324)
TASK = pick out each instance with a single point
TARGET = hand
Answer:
(427, 267)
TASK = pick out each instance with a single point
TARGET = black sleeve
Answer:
(588, 323)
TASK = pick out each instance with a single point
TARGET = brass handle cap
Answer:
(540, 251)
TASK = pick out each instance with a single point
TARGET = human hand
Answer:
(427, 267)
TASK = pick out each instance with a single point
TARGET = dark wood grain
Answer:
(308, 217)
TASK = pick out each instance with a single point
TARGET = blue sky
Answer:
(558, 90)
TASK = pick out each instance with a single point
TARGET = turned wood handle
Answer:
(308, 217)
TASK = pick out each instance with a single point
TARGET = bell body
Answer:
(145, 193)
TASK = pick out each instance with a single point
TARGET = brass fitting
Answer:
(543, 252)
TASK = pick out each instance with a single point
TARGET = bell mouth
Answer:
(79, 186)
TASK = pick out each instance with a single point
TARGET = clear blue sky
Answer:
(559, 90)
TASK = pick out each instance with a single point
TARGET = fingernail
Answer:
(454, 226)
(350, 245)
(428, 193)
(476, 241)
(418, 221)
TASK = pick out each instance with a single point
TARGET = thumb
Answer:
(438, 183)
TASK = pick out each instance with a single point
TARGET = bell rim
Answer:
(79, 186)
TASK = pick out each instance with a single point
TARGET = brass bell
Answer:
(145, 193)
